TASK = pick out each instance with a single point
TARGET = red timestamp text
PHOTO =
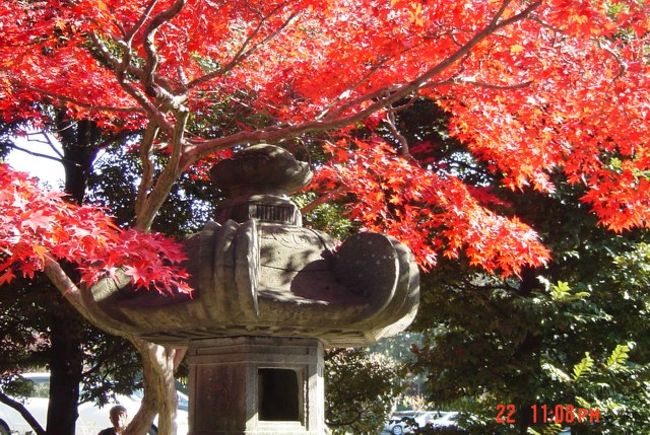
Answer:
(541, 414)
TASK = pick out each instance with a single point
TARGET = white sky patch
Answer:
(48, 171)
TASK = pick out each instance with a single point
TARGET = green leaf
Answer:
(583, 367)
(618, 357)
(555, 373)
(561, 292)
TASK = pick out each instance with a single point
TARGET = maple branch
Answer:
(349, 89)
(404, 106)
(79, 103)
(517, 17)
(482, 84)
(182, 78)
(120, 66)
(322, 200)
(138, 25)
(82, 303)
(362, 98)
(152, 88)
(154, 371)
(149, 137)
(123, 66)
(240, 56)
(543, 23)
(404, 145)
(381, 98)
(622, 65)
(167, 177)
(462, 52)
(147, 105)
(375, 95)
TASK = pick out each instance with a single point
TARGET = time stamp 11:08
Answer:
(542, 414)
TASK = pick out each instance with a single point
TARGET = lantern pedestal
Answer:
(256, 386)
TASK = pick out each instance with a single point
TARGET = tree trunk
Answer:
(66, 364)
(78, 140)
(158, 364)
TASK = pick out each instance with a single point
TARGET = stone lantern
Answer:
(269, 296)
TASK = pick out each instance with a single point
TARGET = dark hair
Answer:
(117, 409)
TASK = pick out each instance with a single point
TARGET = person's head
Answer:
(118, 416)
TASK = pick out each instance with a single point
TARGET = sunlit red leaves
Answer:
(431, 213)
(560, 91)
(620, 195)
(35, 224)
(330, 52)
(586, 100)
(201, 170)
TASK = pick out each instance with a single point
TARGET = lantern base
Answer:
(256, 386)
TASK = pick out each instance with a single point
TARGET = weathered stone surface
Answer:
(269, 294)
(269, 279)
(266, 277)
(261, 169)
(227, 386)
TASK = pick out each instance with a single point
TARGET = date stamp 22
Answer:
(541, 414)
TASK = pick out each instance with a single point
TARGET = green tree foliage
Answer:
(114, 181)
(574, 332)
(361, 390)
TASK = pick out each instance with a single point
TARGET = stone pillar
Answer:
(256, 386)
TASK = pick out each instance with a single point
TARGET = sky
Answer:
(48, 171)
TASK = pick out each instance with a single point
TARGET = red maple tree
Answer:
(533, 88)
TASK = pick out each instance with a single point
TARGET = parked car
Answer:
(446, 420)
(92, 418)
(405, 422)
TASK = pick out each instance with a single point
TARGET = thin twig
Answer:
(51, 144)
(622, 65)
(240, 56)
(322, 200)
(409, 103)
(47, 141)
(392, 126)
(482, 84)
(36, 154)
(137, 26)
